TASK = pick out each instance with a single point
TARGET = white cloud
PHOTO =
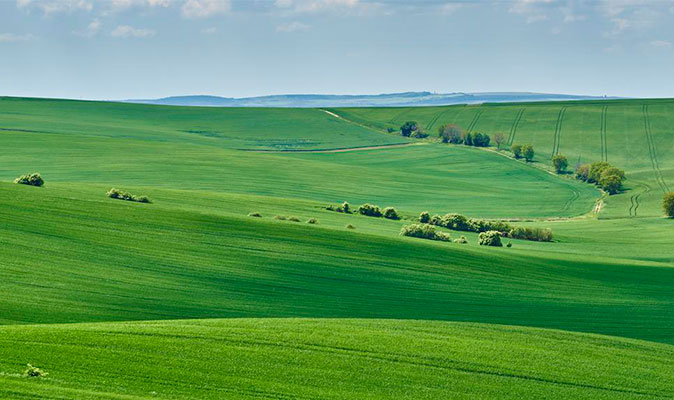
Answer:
(350, 7)
(118, 5)
(125, 31)
(91, 30)
(13, 38)
(209, 31)
(205, 8)
(49, 7)
(661, 44)
(450, 8)
(292, 27)
(533, 10)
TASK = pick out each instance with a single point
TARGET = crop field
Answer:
(190, 296)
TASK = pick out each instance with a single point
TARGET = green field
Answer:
(189, 297)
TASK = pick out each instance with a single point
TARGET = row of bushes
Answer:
(122, 195)
(455, 135)
(602, 174)
(525, 151)
(427, 231)
(459, 222)
(369, 210)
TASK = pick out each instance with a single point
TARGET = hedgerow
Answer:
(34, 179)
(369, 210)
(603, 175)
(122, 195)
(424, 231)
(459, 222)
(390, 213)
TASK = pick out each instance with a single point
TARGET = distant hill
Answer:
(380, 100)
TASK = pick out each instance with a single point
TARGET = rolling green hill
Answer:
(635, 135)
(189, 297)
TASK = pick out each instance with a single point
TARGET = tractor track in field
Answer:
(651, 151)
(558, 131)
(335, 150)
(433, 120)
(602, 135)
(634, 199)
(574, 196)
(476, 118)
(513, 128)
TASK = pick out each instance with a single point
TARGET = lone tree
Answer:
(408, 127)
(528, 152)
(450, 134)
(668, 204)
(560, 163)
(498, 138)
(517, 150)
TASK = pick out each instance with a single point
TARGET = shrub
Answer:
(528, 152)
(424, 231)
(450, 134)
(490, 238)
(408, 127)
(560, 163)
(30, 179)
(330, 207)
(611, 183)
(461, 240)
(534, 234)
(596, 168)
(517, 150)
(424, 217)
(455, 221)
(255, 214)
(293, 219)
(509, 245)
(369, 210)
(668, 204)
(419, 134)
(478, 225)
(583, 172)
(312, 221)
(468, 139)
(122, 195)
(346, 207)
(436, 220)
(390, 129)
(280, 217)
(349, 226)
(34, 372)
(480, 140)
(391, 213)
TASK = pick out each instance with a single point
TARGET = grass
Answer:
(304, 358)
(189, 297)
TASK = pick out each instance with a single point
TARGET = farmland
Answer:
(250, 306)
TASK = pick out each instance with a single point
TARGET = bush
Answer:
(560, 163)
(534, 234)
(424, 217)
(509, 245)
(349, 226)
(419, 134)
(468, 139)
(490, 238)
(528, 152)
(461, 240)
(293, 219)
(456, 222)
(408, 127)
(346, 207)
(30, 179)
(583, 172)
(255, 214)
(280, 217)
(312, 221)
(34, 372)
(450, 134)
(611, 183)
(596, 168)
(424, 231)
(480, 140)
(369, 210)
(517, 150)
(668, 204)
(390, 130)
(122, 195)
(391, 213)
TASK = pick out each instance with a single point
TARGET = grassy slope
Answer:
(365, 359)
(73, 256)
(625, 143)
(121, 145)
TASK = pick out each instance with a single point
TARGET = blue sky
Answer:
(120, 49)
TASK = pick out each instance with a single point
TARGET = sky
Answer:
(129, 49)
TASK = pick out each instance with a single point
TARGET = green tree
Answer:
(668, 204)
(468, 140)
(583, 172)
(408, 127)
(596, 168)
(560, 163)
(528, 152)
(498, 138)
(610, 183)
(516, 150)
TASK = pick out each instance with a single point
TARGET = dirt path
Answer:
(342, 150)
